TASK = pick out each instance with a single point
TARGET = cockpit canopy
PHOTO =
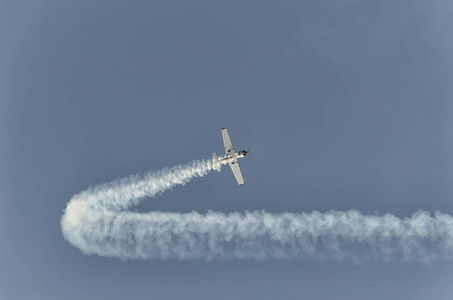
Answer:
(242, 152)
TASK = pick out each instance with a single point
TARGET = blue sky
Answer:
(345, 105)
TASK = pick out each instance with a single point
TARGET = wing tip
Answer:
(223, 128)
(241, 184)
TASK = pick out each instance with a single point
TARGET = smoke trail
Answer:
(97, 222)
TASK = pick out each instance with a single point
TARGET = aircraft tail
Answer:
(215, 162)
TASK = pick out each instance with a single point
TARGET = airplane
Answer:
(231, 157)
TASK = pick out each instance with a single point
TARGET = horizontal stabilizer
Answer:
(215, 162)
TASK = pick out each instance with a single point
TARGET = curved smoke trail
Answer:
(97, 222)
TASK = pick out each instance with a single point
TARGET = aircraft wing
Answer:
(237, 171)
(229, 149)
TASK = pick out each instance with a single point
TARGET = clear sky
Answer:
(344, 104)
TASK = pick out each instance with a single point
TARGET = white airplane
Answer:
(231, 157)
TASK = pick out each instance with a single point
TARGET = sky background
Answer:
(344, 104)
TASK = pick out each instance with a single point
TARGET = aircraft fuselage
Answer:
(232, 157)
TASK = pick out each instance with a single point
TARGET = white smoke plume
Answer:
(97, 221)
